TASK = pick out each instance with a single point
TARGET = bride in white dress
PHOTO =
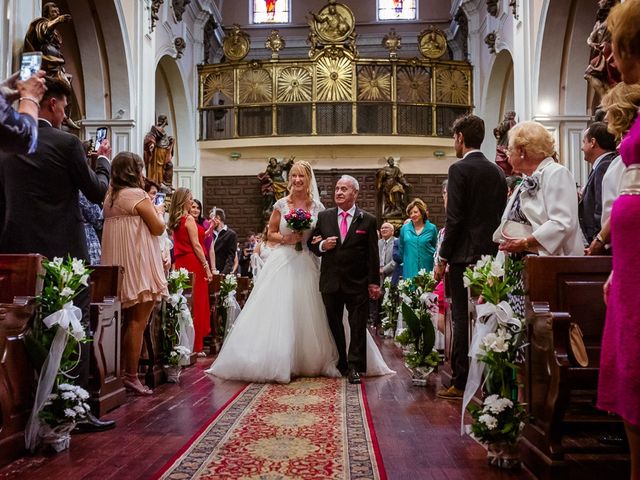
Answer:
(282, 331)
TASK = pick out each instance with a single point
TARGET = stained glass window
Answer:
(271, 11)
(397, 10)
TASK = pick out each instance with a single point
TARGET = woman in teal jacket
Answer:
(417, 240)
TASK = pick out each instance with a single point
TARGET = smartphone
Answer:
(101, 134)
(160, 197)
(30, 63)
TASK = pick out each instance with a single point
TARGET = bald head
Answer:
(386, 230)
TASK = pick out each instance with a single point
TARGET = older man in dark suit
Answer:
(476, 198)
(599, 149)
(39, 206)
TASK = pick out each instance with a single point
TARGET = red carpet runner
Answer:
(312, 428)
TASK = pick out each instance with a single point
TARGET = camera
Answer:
(160, 198)
(30, 63)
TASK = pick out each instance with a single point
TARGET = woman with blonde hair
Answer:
(188, 239)
(417, 240)
(618, 381)
(542, 213)
(282, 331)
(131, 238)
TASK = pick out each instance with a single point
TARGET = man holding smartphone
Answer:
(39, 207)
(19, 129)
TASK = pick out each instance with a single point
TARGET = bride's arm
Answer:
(274, 235)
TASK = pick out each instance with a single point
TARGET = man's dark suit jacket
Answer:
(476, 199)
(39, 206)
(225, 247)
(590, 206)
(353, 265)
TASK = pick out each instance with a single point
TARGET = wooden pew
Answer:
(559, 393)
(19, 283)
(105, 382)
(243, 290)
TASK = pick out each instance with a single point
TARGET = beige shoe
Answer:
(451, 393)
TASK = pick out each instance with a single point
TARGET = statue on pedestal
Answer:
(391, 185)
(273, 184)
(158, 152)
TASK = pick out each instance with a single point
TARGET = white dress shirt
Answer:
(611, 187)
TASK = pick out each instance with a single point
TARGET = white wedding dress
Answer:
(282, 331)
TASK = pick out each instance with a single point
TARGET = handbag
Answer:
(576, 342)
(514, 230)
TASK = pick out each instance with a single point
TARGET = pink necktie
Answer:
(343, 225)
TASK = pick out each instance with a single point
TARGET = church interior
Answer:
(222, 100)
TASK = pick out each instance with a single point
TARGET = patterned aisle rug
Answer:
(312, 428)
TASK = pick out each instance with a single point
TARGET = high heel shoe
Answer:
(133, 385)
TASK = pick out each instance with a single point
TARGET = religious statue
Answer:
(432, 43)
(158, 151)
(273, 184)
(43, 36)
(331, 24)
(501, 133)
(601, 73)
(391, 185)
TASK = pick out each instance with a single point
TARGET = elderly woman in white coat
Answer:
(541, 216)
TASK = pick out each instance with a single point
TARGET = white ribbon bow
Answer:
(68, 316)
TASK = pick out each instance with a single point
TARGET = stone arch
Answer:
(172, 100)
(562, 56)
(498, 98)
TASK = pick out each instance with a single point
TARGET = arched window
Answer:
(271, 11)
(397, 10)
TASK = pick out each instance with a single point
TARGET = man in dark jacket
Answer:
(599, 148)
(477, 196)
(39, 205)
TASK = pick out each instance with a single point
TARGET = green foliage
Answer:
(228, 285)
(172, 309)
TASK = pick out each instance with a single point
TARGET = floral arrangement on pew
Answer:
(227, 304)
(390, 305)
(54, 347)
(496, 349)
(418, 307)
(177, 325)
(298, 220)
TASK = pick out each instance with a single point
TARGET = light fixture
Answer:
(438, 153)
(235, 155)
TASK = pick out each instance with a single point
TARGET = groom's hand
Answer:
(374, 291)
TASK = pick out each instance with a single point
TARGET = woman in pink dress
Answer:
(619, 382)
(188, 252)
(130, 238)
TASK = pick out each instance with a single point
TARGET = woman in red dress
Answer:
(188, 238)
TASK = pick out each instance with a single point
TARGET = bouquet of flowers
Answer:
(177, 324)
(493, 278)
(67, 404)
(390, 305)
(298, 220)
(499, 419)
(54, 347)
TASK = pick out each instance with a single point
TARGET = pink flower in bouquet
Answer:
(298, 220)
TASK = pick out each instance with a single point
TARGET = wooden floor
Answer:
(418, 434)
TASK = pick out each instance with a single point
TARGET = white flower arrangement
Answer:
(67, 405)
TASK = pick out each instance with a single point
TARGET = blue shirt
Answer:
(417, 250)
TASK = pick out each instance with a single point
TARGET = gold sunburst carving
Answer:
(334, 79)
(217, 83)
(374, 83)
(255, 86)
(414, 85)
(452, 86)
(294, 85)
